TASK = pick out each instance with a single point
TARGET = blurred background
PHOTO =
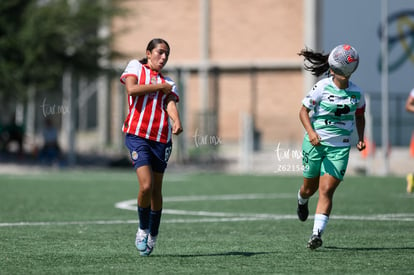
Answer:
(240, 79)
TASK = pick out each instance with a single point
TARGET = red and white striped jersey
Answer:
(147, 117)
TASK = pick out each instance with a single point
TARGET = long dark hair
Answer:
(315, 62)
(151, 45)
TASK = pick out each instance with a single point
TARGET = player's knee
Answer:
(326, 191)
(145, 188)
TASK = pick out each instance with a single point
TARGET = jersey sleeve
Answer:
(361, 105)
(131, 69)
(174, 89)
(412, 93)
(313, 98)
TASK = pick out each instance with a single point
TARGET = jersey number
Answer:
(342, 109)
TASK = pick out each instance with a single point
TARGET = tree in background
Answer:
(43, 40)
(40, 39)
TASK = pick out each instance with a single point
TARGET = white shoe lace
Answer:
(151, 241)
(141, 235)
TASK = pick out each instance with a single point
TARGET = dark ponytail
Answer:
(151, 45)
(315, 62)
(143, 60)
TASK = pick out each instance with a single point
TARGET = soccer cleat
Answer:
(314, 242)
(150, 246)
(303, 211)
(141, 239)
(410, 183)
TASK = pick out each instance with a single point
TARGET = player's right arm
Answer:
(134, 89)
(314, 138)
(309, 103)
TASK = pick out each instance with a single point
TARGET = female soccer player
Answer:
(337, 105)
(409, 107)
(152, 101)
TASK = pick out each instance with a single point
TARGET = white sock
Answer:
(319, 224)
(143, 231)
(151, 240)
(301, 200)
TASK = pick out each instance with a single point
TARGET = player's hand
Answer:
(314, 138)
(166, 88)
(361, 145)
(177, 128)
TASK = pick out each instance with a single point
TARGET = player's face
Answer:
(340, 80)
(158, 57)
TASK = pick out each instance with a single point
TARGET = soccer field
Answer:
(84, 222)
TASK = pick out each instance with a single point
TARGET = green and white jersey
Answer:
(412, 93)
(334, 111)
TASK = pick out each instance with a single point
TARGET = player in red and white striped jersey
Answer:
(152, 101)
(147, 116)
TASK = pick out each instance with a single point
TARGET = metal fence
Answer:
(401, 122)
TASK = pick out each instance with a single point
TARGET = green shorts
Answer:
(322, 159)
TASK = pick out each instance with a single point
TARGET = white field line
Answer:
(14, 224)
(408, 217)
(230, 197)
(206, 216)
(132, 204)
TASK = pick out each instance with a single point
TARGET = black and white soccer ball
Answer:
(343, 60)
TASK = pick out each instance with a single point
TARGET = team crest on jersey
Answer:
(134, 155)
(312, 102)
(153, 80)
(354, 99)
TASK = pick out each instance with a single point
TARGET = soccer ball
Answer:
(343, 60)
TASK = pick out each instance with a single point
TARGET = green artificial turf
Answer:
(67, 223)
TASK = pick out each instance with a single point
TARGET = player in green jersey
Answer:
(337, 107)
(409, 107)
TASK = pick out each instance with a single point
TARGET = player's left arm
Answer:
(360, 127)
(409, 104)
(174, 114)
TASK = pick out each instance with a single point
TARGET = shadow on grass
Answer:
(367, 248)
(231, 253)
